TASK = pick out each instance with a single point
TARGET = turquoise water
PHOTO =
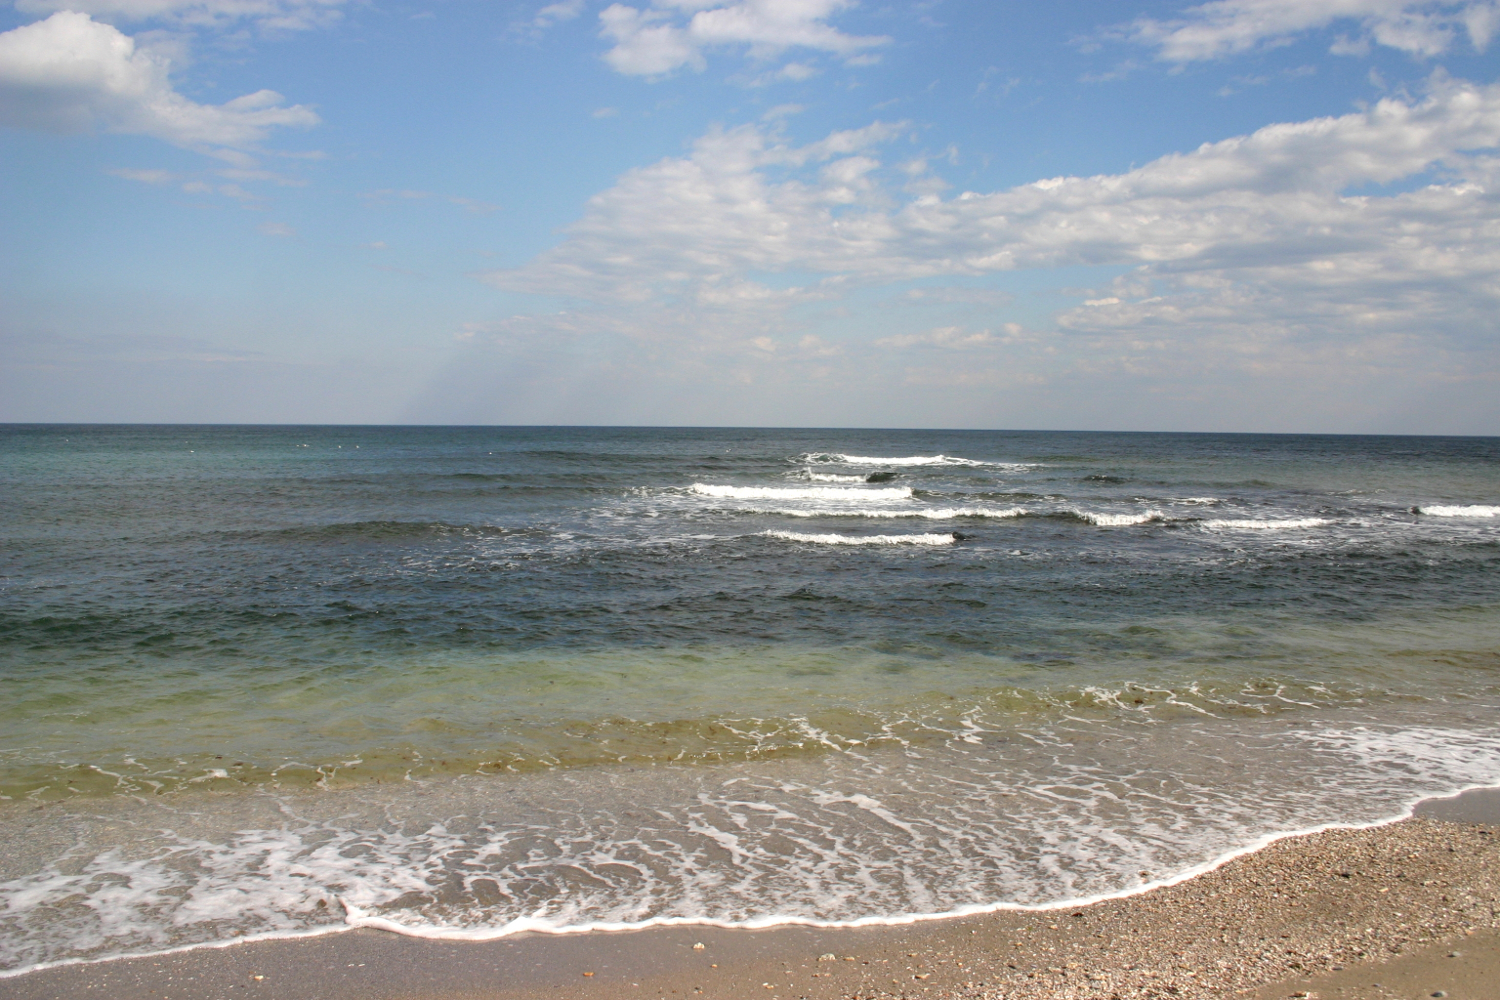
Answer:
(464, 681)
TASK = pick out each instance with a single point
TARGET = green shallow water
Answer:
(284, 724)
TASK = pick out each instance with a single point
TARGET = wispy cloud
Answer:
(1229, 27)
(474, 207)
(555, 12)
(952, 338)
(144, 176)
(656, 40)
(387, 196)
(274, 15)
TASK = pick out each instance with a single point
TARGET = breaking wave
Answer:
(930, 513)
(829, 539)
(822, 457)
(1467, 510)
(833, 477)
(802, 493)
(1119, 520)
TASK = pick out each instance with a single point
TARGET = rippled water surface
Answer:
(463, 681)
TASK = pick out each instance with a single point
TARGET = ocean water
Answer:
(470, 681)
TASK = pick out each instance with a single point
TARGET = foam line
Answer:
(356, 918)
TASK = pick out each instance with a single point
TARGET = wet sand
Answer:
(1406, 910)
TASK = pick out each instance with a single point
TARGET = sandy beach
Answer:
(1411, 909)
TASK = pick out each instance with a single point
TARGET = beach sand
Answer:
(1411, 909)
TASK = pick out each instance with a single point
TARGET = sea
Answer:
(466, 682)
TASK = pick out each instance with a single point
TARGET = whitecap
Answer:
(798, 536)
(1119, 520)
(802, 493)
(897, 460)
(1467, 510)
(930, 513)
(832, 477)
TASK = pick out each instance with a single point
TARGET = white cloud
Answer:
(71, 73)
(278, 229)
(782, 111)
(1227, 27)
(1243, 251)
(553, 13)
(682, 221)
(656, 40)
(279, 15)
(953, 338)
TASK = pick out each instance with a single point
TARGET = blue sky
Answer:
(1244, 215)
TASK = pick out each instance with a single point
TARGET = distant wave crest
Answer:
(930, 513)
(831, 457)
(1467, 510)
(802, 492)
(829, 539)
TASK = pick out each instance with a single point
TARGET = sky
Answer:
(1239, 215)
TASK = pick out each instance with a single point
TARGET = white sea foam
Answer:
(948, 838)
(799, 536)
(1466, 510)
(1265, 524)
(930, 513)
(802, 493)
(833, 477)
(896, 460)
(1119, 520)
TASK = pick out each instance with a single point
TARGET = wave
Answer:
(1105, 520)
(930, 513)
(314, 866)
(381, 531)
(1266, 524)
(1467, 510)
(1119, 520)
(798, 536)
(832, 477)
(838, 457)
(801, 493)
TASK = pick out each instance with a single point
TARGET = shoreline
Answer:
(1477, 804)
(1284, 911)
